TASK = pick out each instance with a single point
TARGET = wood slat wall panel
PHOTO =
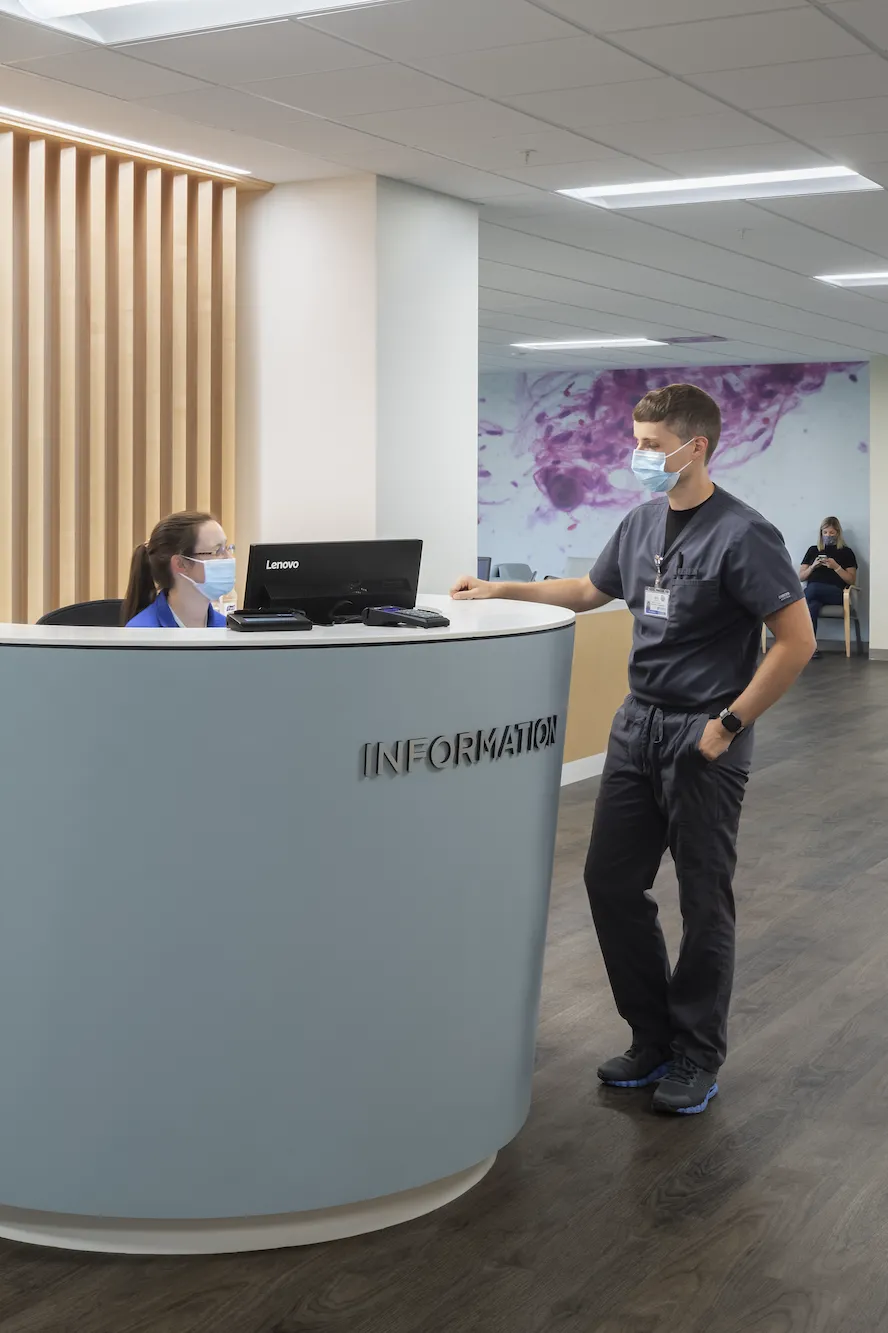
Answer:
(8, 440)
(117, 372)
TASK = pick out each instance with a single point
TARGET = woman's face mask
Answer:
(220, 577)
(830, 539)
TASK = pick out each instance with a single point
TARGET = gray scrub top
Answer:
(726, 572)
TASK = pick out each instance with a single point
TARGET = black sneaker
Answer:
(638, 1068)
(686, 1089)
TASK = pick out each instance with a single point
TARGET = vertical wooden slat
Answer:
(179, 345)
(153, 344)
(98, 316)
(36, 569)
(67, 354)
(117, 364)
(126, 232)
(228, 370)
(7, 373)
(204, 320)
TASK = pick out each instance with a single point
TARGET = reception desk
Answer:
(274, 910)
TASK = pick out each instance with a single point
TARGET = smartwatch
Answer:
(731, 722)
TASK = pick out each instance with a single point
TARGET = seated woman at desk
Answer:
(828, 569)
(185, 565)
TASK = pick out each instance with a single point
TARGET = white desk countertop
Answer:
(468, 620)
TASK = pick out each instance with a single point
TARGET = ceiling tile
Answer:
(784, 155)
(617, 170)
(869, 17)
(623, 15)
(438, 127)
(801, 82)
(355, 92)
(511, 152)
(744, 42)
(226, 109)
(537, 67)
(109, 72)
(861, 151)
(652, 138)
(28, 41)
(259, 51)
(863, 115)
(617, 103)
(428, 27)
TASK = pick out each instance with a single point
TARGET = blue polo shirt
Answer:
(159, 616)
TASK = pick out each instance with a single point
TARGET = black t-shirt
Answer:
(843, 555)
(678, 519)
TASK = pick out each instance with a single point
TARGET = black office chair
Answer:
(105, 613)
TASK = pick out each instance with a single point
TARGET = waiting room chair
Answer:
(513, 574)
(105, 613)
(848, 612)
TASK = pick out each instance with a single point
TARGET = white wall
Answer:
(878, 501)
(358, 369)
(427, 469)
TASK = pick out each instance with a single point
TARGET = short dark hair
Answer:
(685, 410)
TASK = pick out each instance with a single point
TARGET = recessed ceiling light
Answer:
(25, 120)
(590, 342)
(707, 189)
(137, 20)
(854, 279)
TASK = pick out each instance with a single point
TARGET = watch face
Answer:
(731, 723)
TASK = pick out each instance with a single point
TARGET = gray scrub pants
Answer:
(658, 791)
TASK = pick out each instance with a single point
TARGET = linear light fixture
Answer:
(111, 21)
(167, 157)
(589, 342)
(854, 279)
(708, 189)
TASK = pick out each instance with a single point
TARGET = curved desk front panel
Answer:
(260, 954)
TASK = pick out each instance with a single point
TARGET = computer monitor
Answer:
(332, 581)
(484, 567)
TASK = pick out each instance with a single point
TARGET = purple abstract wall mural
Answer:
(554, 451)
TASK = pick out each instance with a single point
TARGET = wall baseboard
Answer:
(581, 769)
(878, 654)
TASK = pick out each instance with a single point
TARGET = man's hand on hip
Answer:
(715, 740)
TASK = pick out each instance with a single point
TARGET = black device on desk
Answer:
(484, 563)
(266, 621)
(416, 618)
(333, 582)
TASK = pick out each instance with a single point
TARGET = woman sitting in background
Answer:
(185, 565)
(827, 570)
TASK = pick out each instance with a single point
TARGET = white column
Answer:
(878, 502)
(358, 368)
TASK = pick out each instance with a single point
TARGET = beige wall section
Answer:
(878, 502)
(600, 680)
(116, 362)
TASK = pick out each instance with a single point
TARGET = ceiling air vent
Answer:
(694, 338)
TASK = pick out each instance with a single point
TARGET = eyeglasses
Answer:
(218, 553)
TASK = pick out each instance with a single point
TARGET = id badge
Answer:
(656, 603)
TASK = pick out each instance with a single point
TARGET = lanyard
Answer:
(660, 561)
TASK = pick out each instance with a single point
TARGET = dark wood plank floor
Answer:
(767, 1215)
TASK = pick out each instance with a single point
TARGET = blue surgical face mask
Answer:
(649, 466)
(219, 578)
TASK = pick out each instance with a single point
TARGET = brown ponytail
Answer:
(150, 570)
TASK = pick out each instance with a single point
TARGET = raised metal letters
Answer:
(467, 748)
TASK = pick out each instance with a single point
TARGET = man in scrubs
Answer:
(700, 571)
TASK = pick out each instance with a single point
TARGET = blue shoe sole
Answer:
(695, 1110)
(654, 1077)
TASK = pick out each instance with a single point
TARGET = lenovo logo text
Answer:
(282, 564)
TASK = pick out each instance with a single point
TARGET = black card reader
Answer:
(267, 621)
(415, 618)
